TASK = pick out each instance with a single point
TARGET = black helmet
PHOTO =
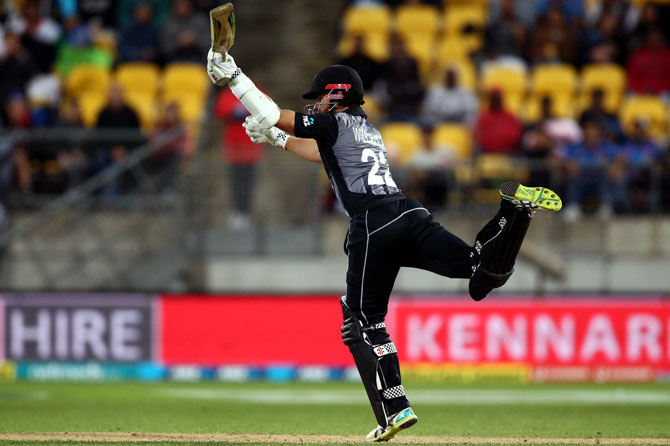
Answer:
(341, 82)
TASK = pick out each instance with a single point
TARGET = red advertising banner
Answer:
(252, 330)
(567, 333)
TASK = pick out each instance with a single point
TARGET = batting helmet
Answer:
(340, 83)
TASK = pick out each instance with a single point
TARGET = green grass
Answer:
(141, 407)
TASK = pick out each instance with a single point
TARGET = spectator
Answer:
(506, 36)
(430, 171)
(650, 17)
(39, 34)
(18, 118)
(539, 149)
(626, 13)
(182, 37)
(366, 67)
(572, 10)
(16, 68)
(608, 122)
(586, 166)
(71, 158)
(77, 33)
(497, 130)
(399, 89)
(524, 10)
(603, 42)
(562, 130)
(119, 116)
(552, 40)
(242, 156)
(642, 157)
(163, 164)
(649, 67)
(139, 41)
(126, 11)
(449, 102)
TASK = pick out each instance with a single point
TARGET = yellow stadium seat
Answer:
(508, 80)
(610, 78)
(372, 109)
(376, 45)
(138, 77)
(512, 84)
(491, 170)
(554, 79)
(458, 17)
(512, 102)
(421, 47)
(647, 108)
(84, 79)
(467, 77)
(417, 19)
(145, 107)
(562, 106)
(188, 78)
(191, 106)
(367, 19)
(91, 104)
(402, 139)
(453, 48)
(454, 135)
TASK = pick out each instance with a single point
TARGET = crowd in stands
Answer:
(117, 66)
(572, 94)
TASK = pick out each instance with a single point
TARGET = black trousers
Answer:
(389, 236)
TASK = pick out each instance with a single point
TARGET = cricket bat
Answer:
(222, 28)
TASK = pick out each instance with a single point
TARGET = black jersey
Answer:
(354, 157)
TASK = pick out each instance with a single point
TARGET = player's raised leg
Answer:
(498, 243)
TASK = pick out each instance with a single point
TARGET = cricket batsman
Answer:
(387, 230)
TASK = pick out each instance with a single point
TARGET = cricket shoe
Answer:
(532, 198)
(401, 420)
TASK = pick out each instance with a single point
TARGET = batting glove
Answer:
(260, 135)
(221, 69)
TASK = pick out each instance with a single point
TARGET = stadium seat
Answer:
(454, 135)
(611, 78)
(376, 45)
(554, 80)
(145, 107)
(84, 79)
(491, 170)
(459, 17)
(647, 108)
(511, 82)
(417, 19)
(453, 48)
(191, 106)
(188, 78)
(421, 47)
(138, 77)
(367, 19)
(90, 104)
(373, 109)
(466, 73)
(562, 106)
(403, 138)
(506, 79)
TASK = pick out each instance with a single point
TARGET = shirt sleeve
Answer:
(322, 127)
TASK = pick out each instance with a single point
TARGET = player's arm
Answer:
(303, 148)
(286, 121)
(222, 70)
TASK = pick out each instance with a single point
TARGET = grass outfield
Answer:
(335, 413)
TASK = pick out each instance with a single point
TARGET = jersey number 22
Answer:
(379, 162)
